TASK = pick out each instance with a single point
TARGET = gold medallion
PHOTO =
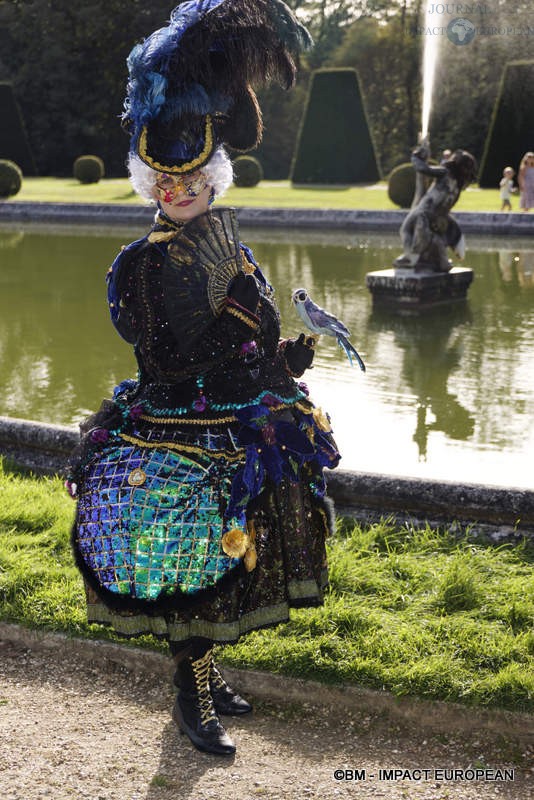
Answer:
(137, 477)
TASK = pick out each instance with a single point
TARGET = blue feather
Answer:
(163, 43)
(146, 89)
(193, 99)
(349, 351)
(148, 66)
(158, 89)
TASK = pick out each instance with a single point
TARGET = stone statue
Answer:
(429, 228)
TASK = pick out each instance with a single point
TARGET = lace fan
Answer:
(201, 263)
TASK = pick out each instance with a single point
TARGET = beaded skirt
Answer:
(149, 522)
(180, 534)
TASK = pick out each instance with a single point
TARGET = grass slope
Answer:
(267, 194)
(411, 611)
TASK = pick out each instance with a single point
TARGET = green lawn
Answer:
(277, 194)
(411, 611)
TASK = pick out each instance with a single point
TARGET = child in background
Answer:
(507, 187)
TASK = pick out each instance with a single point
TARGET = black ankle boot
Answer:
(194, 712)
(225, 700)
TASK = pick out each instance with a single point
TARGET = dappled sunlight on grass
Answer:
(414, 611)
(267, 194)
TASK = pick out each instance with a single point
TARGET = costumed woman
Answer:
(201, 510)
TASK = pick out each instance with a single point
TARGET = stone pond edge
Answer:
(495, 513)
(106, 214)
(436, 716)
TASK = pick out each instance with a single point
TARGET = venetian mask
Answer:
(168, 187)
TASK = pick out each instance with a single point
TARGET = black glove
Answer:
(299, 356)
(244, 291)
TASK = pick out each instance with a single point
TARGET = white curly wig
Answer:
(218, 171)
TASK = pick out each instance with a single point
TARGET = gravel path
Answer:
(72, 730)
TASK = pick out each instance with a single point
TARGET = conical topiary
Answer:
(511, 132)
(334, 143)
(14, 144)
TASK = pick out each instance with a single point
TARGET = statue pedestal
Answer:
(407, 291)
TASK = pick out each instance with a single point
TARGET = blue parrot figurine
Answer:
(320, 322)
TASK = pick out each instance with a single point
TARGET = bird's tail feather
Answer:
(350, 351)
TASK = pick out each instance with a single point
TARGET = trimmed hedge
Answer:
(247, 171)
(401, 184)
(14, 143)
(511, 132)
(334, 143)
(88, 169)
(10, 178)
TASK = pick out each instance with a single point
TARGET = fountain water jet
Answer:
(423, 276)
(430, 57)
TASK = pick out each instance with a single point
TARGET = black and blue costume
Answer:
(201, 500)
(201, 506)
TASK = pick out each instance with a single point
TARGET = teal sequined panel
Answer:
(149, 522)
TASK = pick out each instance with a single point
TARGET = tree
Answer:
(512, 125)
(343, 151)
(328, 20)
(386, 57)
(14, 143)
(282, 112)
(67, 62)
(469, 77)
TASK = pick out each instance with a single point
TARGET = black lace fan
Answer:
(201, 263)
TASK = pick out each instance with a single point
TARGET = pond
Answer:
(449, 395)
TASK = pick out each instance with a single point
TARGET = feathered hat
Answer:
(190, 83)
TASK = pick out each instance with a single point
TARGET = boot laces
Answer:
(217, 680)
(201, 671)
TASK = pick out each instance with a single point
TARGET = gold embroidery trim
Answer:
(190, 165)
(163, 420)
(306, 406)
(161, 236)
(186, 448)
(208, 421)
(248, 267)
(322, 513)
(243, 317)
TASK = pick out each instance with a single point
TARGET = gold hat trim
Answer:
(199, 161)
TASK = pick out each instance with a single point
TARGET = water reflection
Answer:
(517, 267)
(10, 240)
(449, 395)
(432, 350)
(57, 347)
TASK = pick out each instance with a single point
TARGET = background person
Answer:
(525, 179)
(507, 188)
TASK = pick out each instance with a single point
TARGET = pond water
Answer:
(449, 395)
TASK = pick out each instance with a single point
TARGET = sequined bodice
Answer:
(174, 356)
